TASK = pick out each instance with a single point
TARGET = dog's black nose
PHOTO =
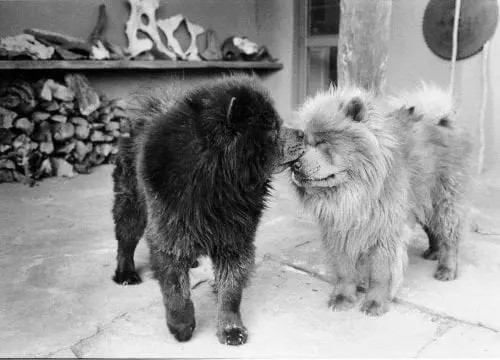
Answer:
(296, 166)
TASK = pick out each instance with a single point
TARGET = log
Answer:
(62, 92)
(20, 141)
(43, 132)
(44, 89)
(119, 113)
(84, 167)
(66, 148)
(6, 118)
(79, 121)
(115, 148)
(6, 176)
(97, 136)
(9, 101)
(4, 148)
(97, 126)
(363, 43)
(24, 46)
(81, 150)
(38, 116)
(44, 170)
(24, 93)
(104, 109)
(59, 118)
(112, 126)
(66, 54)
(35, 160)
(99, 52)
(6, 163)
(6, 137)
(25, 125)
(103, 149)
(63, 131)
(93, 116)
(96, 158)
(86, 97)
(99, 28)
(71, 43)
(61, 167)
(67, 108)
(105, 118)
(115, 51)
(114, 134)
(124, 125)
(118, 103)
(50, 106)
(82, 132)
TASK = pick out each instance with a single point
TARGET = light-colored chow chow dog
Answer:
(373, 169)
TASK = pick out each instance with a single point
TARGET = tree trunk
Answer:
(363, 43)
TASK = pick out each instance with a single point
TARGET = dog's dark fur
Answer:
(194, 175)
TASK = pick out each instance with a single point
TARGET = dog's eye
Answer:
(272, 135)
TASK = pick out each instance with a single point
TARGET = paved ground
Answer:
(57, 298)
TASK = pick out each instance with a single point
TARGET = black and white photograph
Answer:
(249, 179)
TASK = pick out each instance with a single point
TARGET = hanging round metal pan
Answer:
(477, 24)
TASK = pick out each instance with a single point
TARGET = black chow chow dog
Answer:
(194, 176)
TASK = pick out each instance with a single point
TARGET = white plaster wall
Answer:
(410, 60)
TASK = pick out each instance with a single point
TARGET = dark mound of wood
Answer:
(53, 129)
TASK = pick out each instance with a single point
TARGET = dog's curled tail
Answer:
(429, 101)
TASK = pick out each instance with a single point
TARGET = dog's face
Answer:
(290, 147)
(238, 119)
(346, 147)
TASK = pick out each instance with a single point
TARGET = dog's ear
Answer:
(230, 110)
(355, 109)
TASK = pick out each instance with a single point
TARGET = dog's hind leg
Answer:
(173, 274)
(231, 275)
(129, 214)
(344, 295)
(446, 226)
(432, 252)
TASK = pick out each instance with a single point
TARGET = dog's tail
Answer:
(430, 102)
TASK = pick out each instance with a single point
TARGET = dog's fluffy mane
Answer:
(428, 100)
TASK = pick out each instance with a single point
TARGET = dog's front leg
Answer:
(385, 275)
(231, 275)
(344, 295)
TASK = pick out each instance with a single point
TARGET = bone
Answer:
(136, 46)
(170, 25)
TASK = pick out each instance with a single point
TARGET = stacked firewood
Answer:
(49, 128)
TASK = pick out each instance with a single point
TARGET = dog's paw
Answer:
(374, 307)
(341, 302)
(430, 254)
(233, 336)
(182, 332)
(444, 273)
(127, 278)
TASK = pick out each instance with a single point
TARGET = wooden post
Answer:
(363, 43)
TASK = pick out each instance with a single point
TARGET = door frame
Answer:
(304, 42)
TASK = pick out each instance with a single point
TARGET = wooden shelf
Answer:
(134, 65)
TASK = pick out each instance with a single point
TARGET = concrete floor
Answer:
(57, 298)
